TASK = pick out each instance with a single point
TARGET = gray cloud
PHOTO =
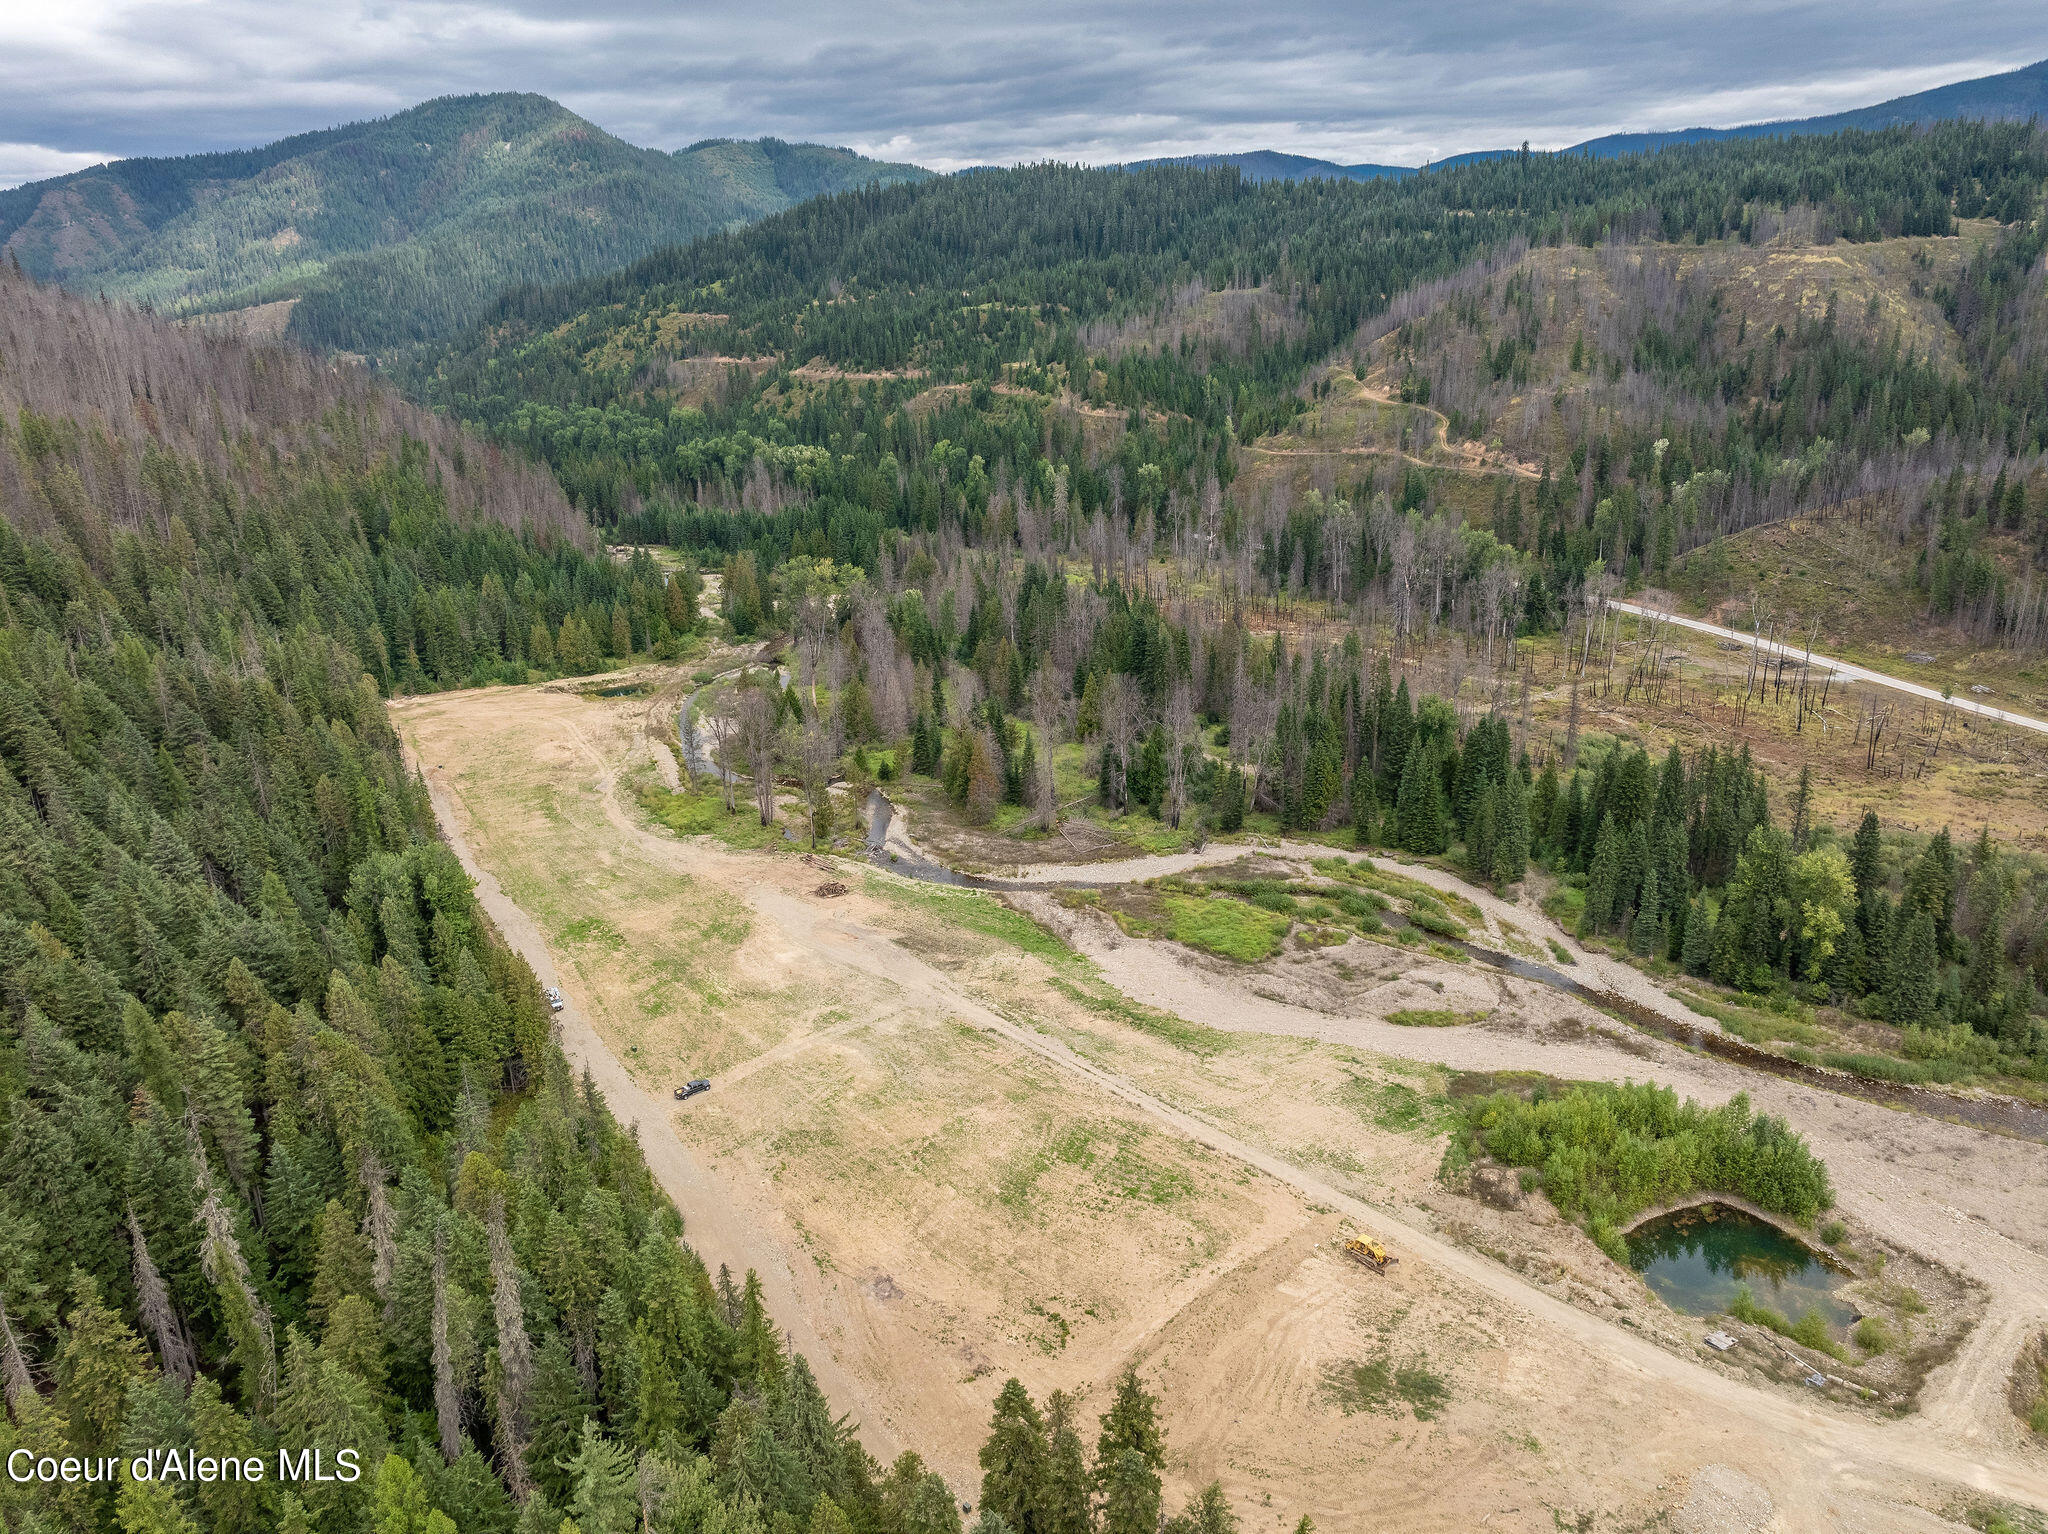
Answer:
(949, 84)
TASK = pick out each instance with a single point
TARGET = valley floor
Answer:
(958, 1149)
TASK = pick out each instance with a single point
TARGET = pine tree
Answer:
(1866, 855)
(1601, 878)
(1982, 1008)
(1543, 808)
(1131, 1423)
(1365, 808)
(1931, 887)
(399, 1504)
(1130, 1494)
(1646, 936)
(323, 1406)
(1915, 979)
(558, 1409)
(152, 1507)
(100, 1358)
(1699, 938)
(1013, 1461)
(1802, 808)
(1208, 1512)
(757, 1349)
(1568, 826)
(227, 1506)
(1066, 1495)
(606, 1499)
(1420, 812)
(1511, 844)
(1481, 834)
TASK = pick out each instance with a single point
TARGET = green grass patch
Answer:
(1752, 1024)
(1379, 1385)
(1394, 1105)
(1412, 891)
(1564, 905)
(1559, 952)
(1437, 1017)
(594, 929)
(1230, 928)
(1099, 996)
(977, 912)
(704, 814)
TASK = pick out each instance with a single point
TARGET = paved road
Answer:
(1840, 668)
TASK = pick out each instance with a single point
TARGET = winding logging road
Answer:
(1841, 668)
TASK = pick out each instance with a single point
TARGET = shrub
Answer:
(1439, 1017)
(1607, 1151)
(1811, 1329)
(1873, 1336)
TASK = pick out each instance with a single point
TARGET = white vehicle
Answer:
(554, 996)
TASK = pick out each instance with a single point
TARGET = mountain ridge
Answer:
(2014, 95)
(393, 231)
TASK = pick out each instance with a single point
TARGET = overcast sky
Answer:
(948, 83)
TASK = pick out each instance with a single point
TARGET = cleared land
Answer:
(958, 1151)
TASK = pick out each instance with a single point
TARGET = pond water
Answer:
(1695, 1258)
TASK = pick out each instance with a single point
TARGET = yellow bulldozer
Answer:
(1371, 1253)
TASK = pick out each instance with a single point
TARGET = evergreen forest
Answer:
(289, 1160)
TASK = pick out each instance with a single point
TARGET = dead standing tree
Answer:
(754, 721)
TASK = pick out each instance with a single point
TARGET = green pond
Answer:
(1694, 1260)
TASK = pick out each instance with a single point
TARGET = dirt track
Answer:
(1926, 1183)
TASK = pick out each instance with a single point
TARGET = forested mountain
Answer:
(2019, 95)
(390, 232)
(1191, 301)
(289, 1160)
(1273, 165)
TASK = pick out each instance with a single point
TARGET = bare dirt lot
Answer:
(958, 1150)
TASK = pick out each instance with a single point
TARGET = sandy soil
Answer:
(954, 1159)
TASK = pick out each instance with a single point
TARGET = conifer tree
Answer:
(1130, 1494)
(100, 1359)
(152, 1507)
(1511, 845)
(1420, 812)
(1915, 978)
(1802, 809)
(400, 1505)
(1866, 855)
(1482, 834)
(1207, 1512)
(1365, 808)
(1065, 1501)
(1013, 1461)
(1600, 880)
(1646, 936)
(606, 1500)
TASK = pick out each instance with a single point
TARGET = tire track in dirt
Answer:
(1838, 1445)
(717, 1224)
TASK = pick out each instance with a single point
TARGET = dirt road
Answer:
(721, 1232)
(1842, 668)
(1952, 1443)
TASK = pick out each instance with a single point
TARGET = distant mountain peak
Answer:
(388, 232)
(2014, 96)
